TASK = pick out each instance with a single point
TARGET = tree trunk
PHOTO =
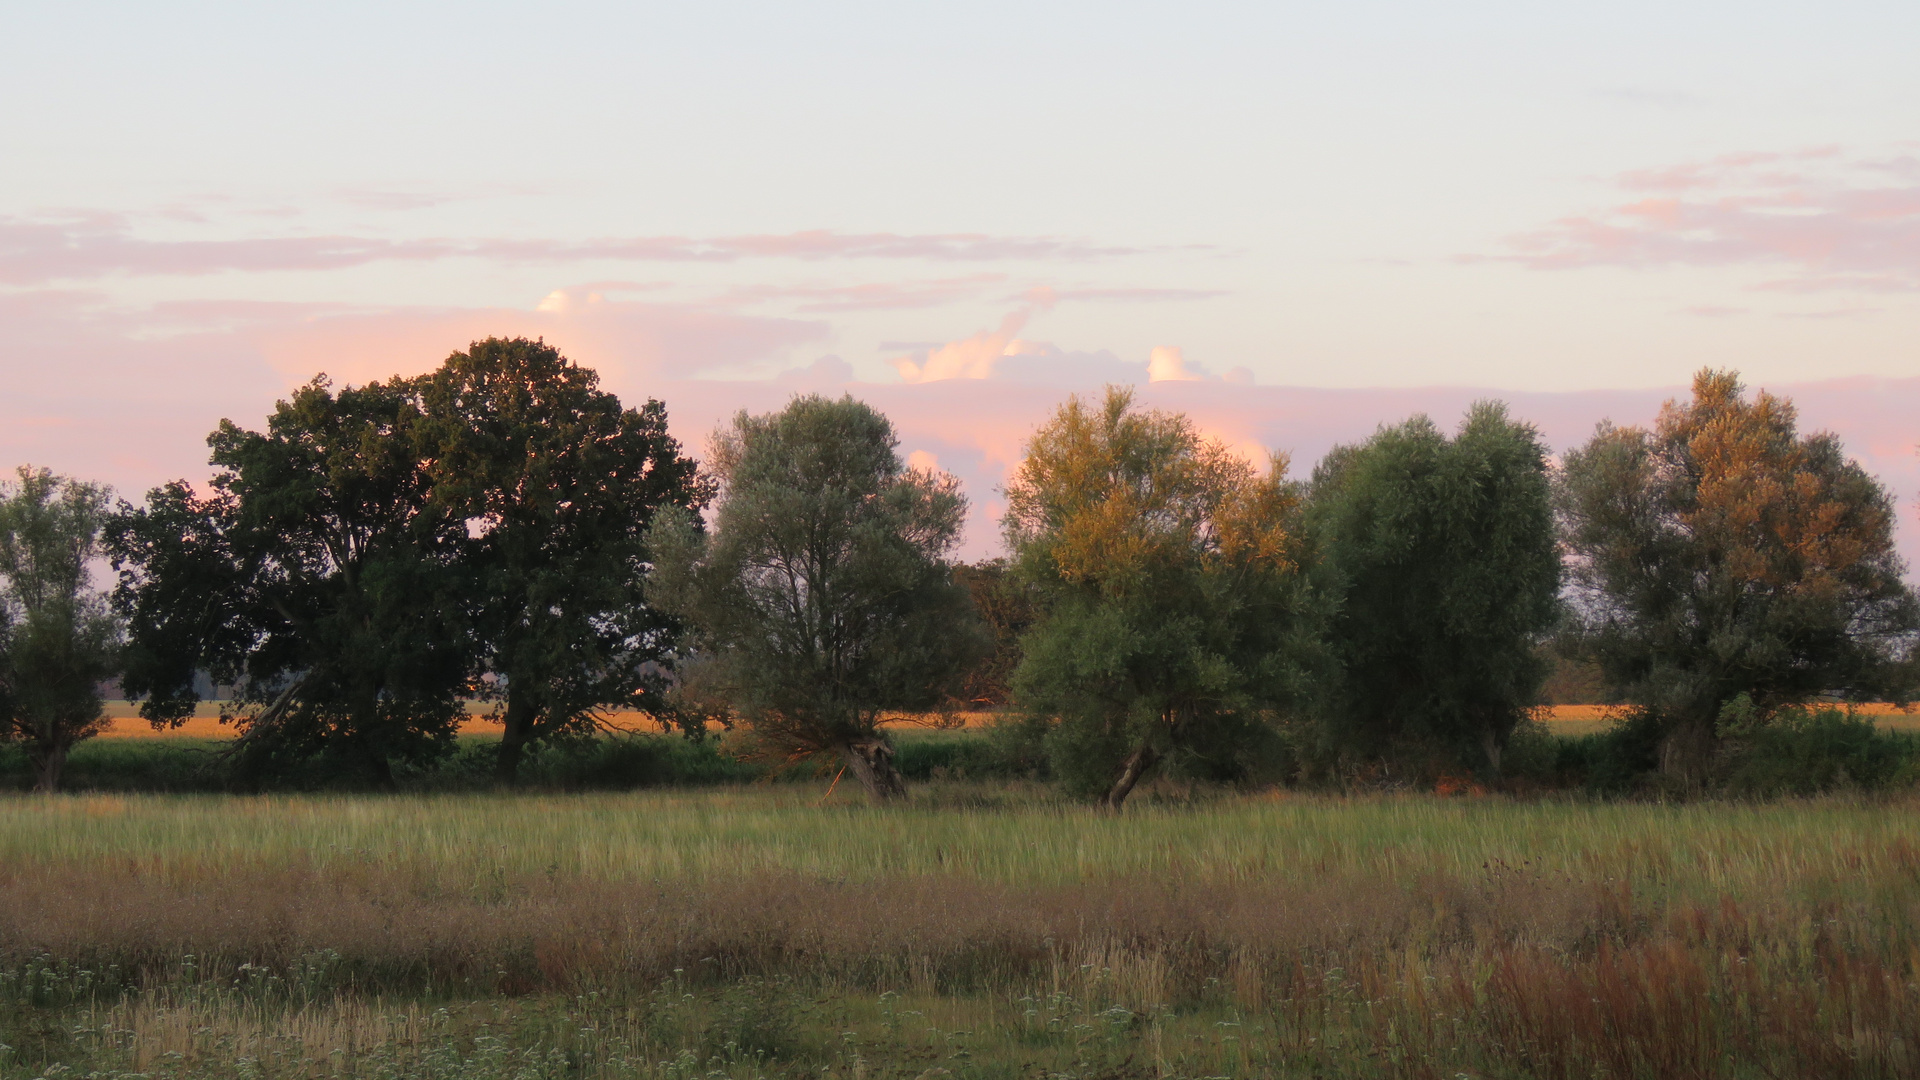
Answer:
(1131, 771)
(48, 761)
(870, 760)
(1686, 753)
(1491, 746)
(514, 739)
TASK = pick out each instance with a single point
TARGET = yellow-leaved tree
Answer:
(1172, 608)
(1722, 560)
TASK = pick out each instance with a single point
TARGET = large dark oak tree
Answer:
(557, 484)
(318, 576)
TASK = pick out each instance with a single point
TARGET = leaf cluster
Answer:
(1723, 553)
(1438, 556)
(1172, 608)
(823, 597)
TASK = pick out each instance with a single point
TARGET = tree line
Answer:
(503, 529)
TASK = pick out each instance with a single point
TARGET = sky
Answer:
(1294, 221)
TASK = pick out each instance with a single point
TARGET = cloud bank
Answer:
(1831, 222)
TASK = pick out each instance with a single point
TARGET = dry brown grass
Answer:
(1565, 975)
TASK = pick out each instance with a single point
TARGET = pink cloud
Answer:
(129, 395)
(1048, 295)
(968, 358)
(870, 296)
(87, 246)
(1839, 224)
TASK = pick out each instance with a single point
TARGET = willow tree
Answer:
(58, 639)
(1172, 619)
(1441, 558)
(1723, 556)
(823, 599)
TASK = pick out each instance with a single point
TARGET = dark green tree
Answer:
(823, 599)
(1723, 558)
(58, 638)
(1172, 622)
(1440, 559)
(318, 576)
(557, 484)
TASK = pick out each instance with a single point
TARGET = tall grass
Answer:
(759, 931)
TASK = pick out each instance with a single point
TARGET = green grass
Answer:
(988, 930)
(1706, 845)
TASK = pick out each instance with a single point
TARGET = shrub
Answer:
(1805, 752)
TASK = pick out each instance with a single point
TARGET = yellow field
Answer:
(1562, 719)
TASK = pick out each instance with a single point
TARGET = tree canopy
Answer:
(557, 484)
(1722, 554)
(1439, 556)
(1171, 614)
(58, 638)
(823, 599)
(317, 575)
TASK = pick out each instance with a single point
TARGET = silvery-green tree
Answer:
(1438, 555)
(823, 599)
(58, 638)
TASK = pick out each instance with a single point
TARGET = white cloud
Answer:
(1165, 364)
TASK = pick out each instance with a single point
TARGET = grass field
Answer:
(984, 930)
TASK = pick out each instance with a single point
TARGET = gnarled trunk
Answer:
(1686, 753)
(514, 739)
(1490, 745)
(48, 761)
(870, 760)
(1131, 771)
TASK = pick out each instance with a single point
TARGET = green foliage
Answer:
(557, 484)
(823, 598)
(1171, 619)
(58, 639)
(1439, 556)
(318, 575)
(1810, 751)
(1723, 553)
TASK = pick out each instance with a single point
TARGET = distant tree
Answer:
(1441, 560)
(1723, 554)
(317, 575)
(1008, 607)
(58, 638)
(557, 484)
(1173, 621)
(822, 600)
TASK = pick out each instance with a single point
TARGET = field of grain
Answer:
(982, 931)
(1565, 720)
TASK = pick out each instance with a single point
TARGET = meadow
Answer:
(983, 930)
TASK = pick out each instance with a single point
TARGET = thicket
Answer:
(502, 529)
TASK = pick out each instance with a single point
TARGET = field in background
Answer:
(1561, 719)
(987, 931)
